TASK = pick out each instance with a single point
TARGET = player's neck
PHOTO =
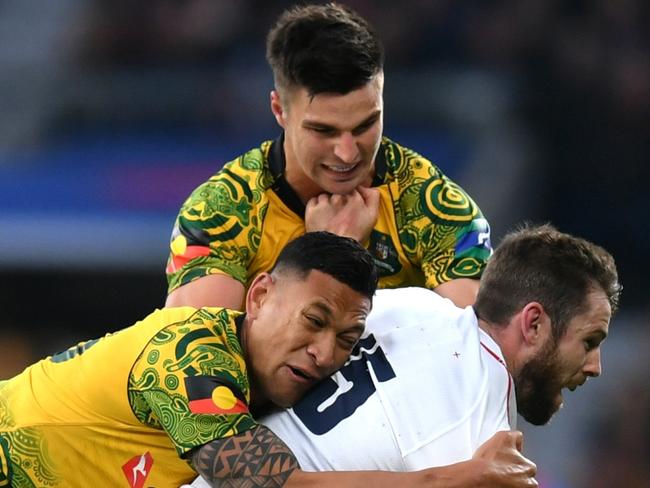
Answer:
(300, 183)
(260, 410)
(502, 336)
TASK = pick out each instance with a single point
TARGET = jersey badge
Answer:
(214, 395)
(384, 253)
(137, 469)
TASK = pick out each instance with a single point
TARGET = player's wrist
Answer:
(466, 474)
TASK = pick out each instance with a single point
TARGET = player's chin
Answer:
(340, 187)
(288, 396)
(343, 183)
(286, 400)
(559, 402)
(540, 410)
(555, 408)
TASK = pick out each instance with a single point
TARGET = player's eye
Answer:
(348, 342)
(315, 321)
(322, 130)
(364, 127)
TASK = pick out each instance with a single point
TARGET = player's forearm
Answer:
(461, 475)
(256, 458)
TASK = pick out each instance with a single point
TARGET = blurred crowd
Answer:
(540, 109)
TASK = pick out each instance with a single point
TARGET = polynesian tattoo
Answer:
(255, 458)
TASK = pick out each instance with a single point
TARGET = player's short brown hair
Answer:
(545, 265)
(323, 48)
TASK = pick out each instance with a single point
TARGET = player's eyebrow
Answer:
(323, 307)
(358, 327)
(314, 124)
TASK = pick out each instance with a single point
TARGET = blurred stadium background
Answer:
(112, 111)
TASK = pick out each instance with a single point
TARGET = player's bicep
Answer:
(461, 291)
(212, 234)
(216, 290)
(256, 457)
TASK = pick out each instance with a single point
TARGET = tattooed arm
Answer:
(255, 458)
(258, 458)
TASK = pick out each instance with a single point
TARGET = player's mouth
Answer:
(341, 170)
(302, 375)
(575, 386)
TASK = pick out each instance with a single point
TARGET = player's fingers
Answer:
(518, 438)
(355, 196)
(337, 199)
(370, 196)
(319, 200)
(311, 203)
(528, 469)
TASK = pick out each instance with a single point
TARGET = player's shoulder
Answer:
(441, 200)
(242, 175)
(408, 296)
(185, 318)
(252, 162)
(412, 297)
(176, 333)
(238, 188)
(408, 306)
(405, 163)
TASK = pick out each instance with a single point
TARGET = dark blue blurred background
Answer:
(111, 112)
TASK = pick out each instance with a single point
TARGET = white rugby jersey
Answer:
(424, 387)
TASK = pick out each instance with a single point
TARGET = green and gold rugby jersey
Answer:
(429, 231)
(125, 410)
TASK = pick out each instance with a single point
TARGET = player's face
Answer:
(331, 140)
(566, 363)
(299, 332)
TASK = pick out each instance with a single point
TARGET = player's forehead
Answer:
(363, 100)
(596, 317)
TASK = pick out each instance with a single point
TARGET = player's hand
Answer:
(352, 215)
(504, 464)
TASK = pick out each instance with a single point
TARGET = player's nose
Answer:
(323, 352)
(593, 366)
(346, 148)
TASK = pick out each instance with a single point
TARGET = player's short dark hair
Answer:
(323, 48)
(342, 258)
(542, 264)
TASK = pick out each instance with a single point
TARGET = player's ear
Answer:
(257, 294)
(535, 323)
(277, 108)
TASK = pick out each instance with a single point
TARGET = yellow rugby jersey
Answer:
(124, 410)
(429, 231)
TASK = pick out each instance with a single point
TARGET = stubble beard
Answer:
(537, 386)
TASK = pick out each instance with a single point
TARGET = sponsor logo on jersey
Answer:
(137, 469)
(211, 394)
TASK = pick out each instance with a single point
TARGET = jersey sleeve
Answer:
(218, 227)
(452, 232)
(441, 230)
(191, 382)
